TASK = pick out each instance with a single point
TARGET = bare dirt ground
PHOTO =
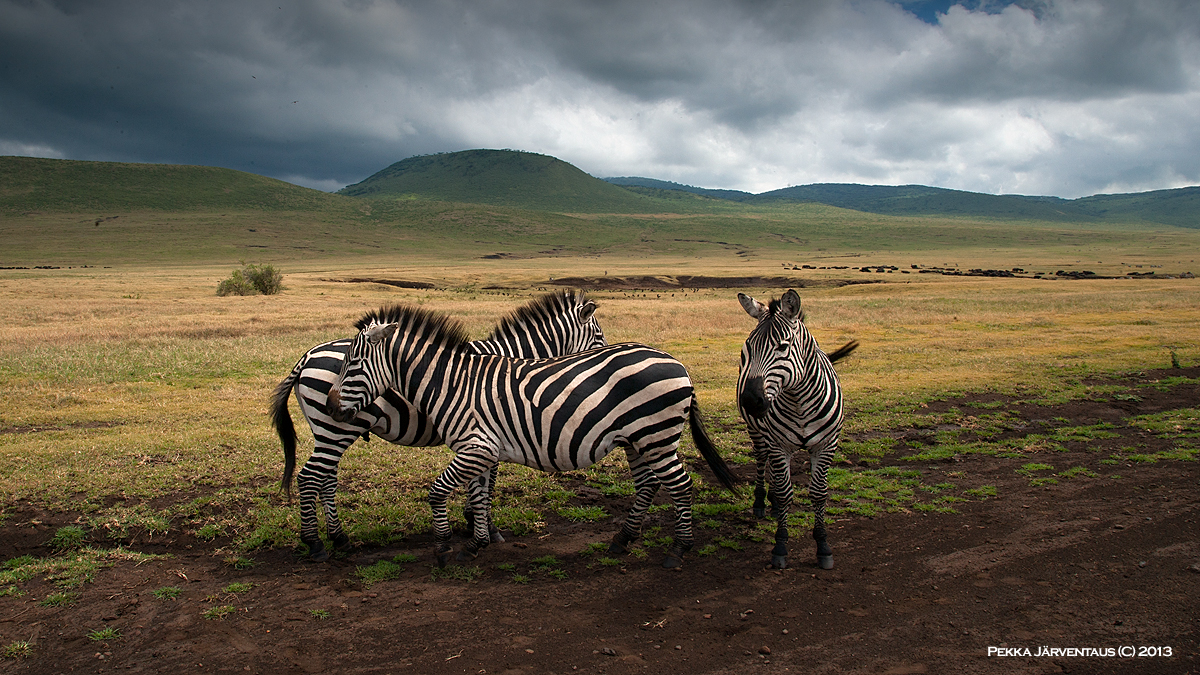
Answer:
(1090, 563)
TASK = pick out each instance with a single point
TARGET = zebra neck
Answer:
(422, 368)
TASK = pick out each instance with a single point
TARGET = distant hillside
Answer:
(1179, 207)
(504, 178)
(32, 184)
(653, 184)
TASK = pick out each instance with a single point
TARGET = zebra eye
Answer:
(783, 346)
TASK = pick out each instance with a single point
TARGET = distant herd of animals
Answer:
(546, 390)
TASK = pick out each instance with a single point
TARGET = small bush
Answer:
(252, 280)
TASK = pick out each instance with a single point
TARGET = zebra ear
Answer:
(790, 303)
(586, 311)
(753, 307)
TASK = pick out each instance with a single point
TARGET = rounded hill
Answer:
(36, 184)
(504, 178)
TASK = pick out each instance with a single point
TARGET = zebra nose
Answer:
(333, 406)
(753, 399)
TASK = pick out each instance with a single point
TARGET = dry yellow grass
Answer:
(142, 383)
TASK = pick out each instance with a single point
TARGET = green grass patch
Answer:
(319, 614)
(68, 538)
(583, 514)
(167, 592)
(238, 587)
(383, 570)
(59, 599)
(106, 634)
(457, 573)
(18, 649)
(218, 612)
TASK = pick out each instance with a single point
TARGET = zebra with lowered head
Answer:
(790, 398)
(555, 414)
(552, 324)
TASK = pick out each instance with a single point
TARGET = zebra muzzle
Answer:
(753, 399)
(333, 407)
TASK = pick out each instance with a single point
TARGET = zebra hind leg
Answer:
(646, 485)
(309, 488)
(676, 479)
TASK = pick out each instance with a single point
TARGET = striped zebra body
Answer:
(553, 324)
(790, 399)
(554, 414)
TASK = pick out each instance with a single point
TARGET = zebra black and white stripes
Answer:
(552, 324)
(551, 414)
(790, 399)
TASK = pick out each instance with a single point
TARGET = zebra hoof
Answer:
(672, 561)
(320, 556)
(465, 556)
(825, 562)
(496, 537)
(443, 555)
(341, 542)
(779, 562)
(617, 547)
(760, 512)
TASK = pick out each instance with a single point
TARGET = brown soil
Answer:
(1089, 563)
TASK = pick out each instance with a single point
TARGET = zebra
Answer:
(551, 324)
(790, 398)
(556, 414)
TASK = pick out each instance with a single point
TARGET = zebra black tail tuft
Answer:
(706, 447)
(843, 351)
(281, 419)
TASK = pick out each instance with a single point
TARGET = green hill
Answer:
(503, 178)
(30, 184)
(1179, 207)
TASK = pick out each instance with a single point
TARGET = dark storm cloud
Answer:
(1066, 98)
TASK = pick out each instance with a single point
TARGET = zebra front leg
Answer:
(468, 464)
(470, 511)
(761, 462)
(781, 503)
(479, 515)
(818, 491)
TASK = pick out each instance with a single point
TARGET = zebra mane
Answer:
(774, 305)
(550, 304)
(440, 327)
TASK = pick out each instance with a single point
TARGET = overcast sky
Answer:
(1052, 97)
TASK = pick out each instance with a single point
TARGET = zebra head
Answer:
(562, 322)
(769, 360)
(366, 372)
(394, 348)
(585, 333)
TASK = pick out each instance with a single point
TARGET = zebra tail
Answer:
(281, 419)
(706, 447)
(843, 351)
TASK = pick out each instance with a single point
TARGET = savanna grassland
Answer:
(136, 456)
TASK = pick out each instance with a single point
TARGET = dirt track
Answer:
(1088, 563)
